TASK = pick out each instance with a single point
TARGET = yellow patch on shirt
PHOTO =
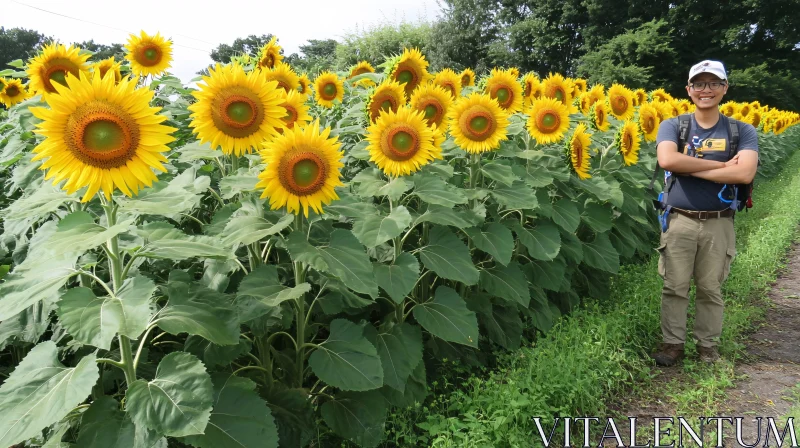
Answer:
(714, 144)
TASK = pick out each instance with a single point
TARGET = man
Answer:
(699, 238)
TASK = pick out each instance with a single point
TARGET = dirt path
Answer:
(763, 384)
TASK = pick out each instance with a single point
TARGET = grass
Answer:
(601, 350)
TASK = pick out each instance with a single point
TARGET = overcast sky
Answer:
(197, 27)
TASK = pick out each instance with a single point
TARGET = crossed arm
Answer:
(739, 170)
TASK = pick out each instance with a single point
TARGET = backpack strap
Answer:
(684, 127)
(733, 135)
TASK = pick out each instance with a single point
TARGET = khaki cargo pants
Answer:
(703, 249)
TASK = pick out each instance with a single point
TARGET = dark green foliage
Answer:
(102, 51)
(19, 43)
(248, 45)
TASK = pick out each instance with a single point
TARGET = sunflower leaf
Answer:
(377, 229)
(166, 242)
(543, 241)
(357, 416)
(180, 195)
(448, 257)
(448, 216)
(448, 318)
(347, 360)
(104, 425)
(249, 229)
(516, 196)
(508, 283)
(78, 233)
(566, 215)
(500, 172)
(398, 278)
(496, 240)
(433, 190)
(601, 254)
(240, 182)
(597, 216)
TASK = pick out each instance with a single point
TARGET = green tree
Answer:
(102, 51)
(19, 43)
(377, 43)
(248, 45)
(463, 36)
(314, 57)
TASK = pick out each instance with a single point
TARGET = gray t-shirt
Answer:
(692, 193)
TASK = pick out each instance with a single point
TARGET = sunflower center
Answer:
(59, 77)
(303, 173)
(360, 71)
(549, 121)
(650, 123)
(577, 151)
(149, 55)
(328, 91)
(559, 95)
(434, 113)
(503, 95)
(12, 91)
(101, 134)
(386, 105)
(291, 116)
(401, 143)
(477, 124)
(405, 76)
(527, 92)
(465, 80)
(620, 105)
(628, 143)
(451, 88)
(430, 111)
(237, 112)
(56, 70)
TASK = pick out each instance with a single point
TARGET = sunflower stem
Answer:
(115, 268)
(300, 318)
(234, 163)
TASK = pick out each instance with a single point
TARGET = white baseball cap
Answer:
(714, 67)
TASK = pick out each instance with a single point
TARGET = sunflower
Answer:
(673, 107)
(99, 134)
(628, 142)
(401, 143)
(779, 125)
(548, 121)
(684, 106)
(514, 72)
(304, 86)
(584, 103)
(467, 78)
(359, 69)
(450, 80)
(303, 168)
(13, 92)
(433, 101)
(285, 76)
(328, 88)
(557, 87)
(729, 108)
(505, 89)
(754, 118)
(596, 93)
(530, 87)
(477, 123)
(745, 109)
(577, 150)
(389, 95)
(54, 63)
(620, 99)
(107, 65)
(3, 83)
(148, 55)
(296, 110)
(236, 111)
(410, 69)
(639, 96)
(580, 85)
(270, 54)
(660, 95)
(648, 121)
(598, 115)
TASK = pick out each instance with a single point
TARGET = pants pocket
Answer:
(662, 260)
(730, 254)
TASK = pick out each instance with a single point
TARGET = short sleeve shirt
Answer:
(693, 193)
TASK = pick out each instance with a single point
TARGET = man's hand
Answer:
(739, 170)
(733, 161)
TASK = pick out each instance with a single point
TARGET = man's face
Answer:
(706, 98)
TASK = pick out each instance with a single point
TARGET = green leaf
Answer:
(448, 318)
(41, 391)
(104, 425)
(496, 240)
(543, 241)
(517, 196)
(96, 320)
(240, 417)
(448, 216)
(347, 360)
(177, 402)
(503, 324)
(369, 181)
(357, 416)
(249, 229)
(197, 151)
(32, 282)
(263, 285)
(180, 195)
(167, 242)
(572, 247)
(213, 354)
(566, 215)
(395, 188)
(500, 172)
(46, 199)
(545, 207)
(507, 282)
(534, 175)
(433, 190)
(302, 252)
(376, 229)
(448, 257)
(597, 216)
(78, 233)
(349, 205)
(345, 258)
(399, 278)
(601, 254)
(192, 308)
(400, 350)
(415, 392)
(547, 274)
(242, 181)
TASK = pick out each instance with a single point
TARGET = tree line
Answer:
(641, 44)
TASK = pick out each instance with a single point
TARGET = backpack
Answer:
(742, 198)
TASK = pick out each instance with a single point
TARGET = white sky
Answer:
(202, 25)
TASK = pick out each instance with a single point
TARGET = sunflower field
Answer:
(276, 259)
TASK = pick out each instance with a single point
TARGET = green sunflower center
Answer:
(11, 91)
(149, 55)
(402, 142)
(549, 120)
(405, 76)
(306, 173)
(237, 112)
(329, 90)
(479, 124)
(387, 105)
(103, 136)
(503, 95)
(59, 76)
(240, 112)
(303, 173)
(560, 95)
(430, 111)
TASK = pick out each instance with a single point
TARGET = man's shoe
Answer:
(708, 354)
(668, 354)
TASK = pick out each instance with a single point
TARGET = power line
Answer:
(110, 27)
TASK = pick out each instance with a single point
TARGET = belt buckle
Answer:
(702, 215)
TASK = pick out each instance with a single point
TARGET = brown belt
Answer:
(703, 215)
